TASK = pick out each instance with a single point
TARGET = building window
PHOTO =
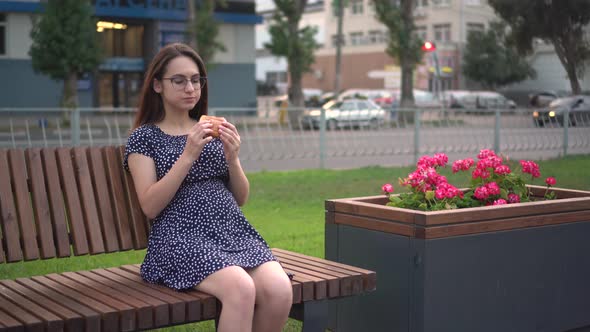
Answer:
(276, 77)
(441, 3)
(2, 34)
(356, 38)
(421, 3)
(475, 27)
(356, 7)
(421, 33)
(442, 32)
(376, 37)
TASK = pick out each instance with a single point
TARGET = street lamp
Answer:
(429, 47)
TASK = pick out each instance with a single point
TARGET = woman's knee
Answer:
(276, 290)
(240, 291)
(232, 286)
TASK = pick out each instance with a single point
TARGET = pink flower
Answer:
(513, 198)
(500, 201)
(493, 188)
(387, 188)
(502, 170)
(481, 193)
(530, 167)
(550, 181)
(485, 153)
(441, 159)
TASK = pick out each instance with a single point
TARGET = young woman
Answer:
(192, 185)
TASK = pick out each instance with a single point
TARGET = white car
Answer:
(349, 113)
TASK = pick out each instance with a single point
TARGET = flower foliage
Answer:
(492, 183)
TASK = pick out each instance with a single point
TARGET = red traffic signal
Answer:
(428, 46)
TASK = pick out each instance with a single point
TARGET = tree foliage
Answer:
(403, 44)
(65, 44)
(559, 22)
(204, 29)
(489, 60)
(298, 45)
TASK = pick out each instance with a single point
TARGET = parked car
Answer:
(578, 107)
(458, 98)
(348, 113)
(370, 94)
(422, 99)
(477, 100)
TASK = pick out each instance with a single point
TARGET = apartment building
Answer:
(365, 63)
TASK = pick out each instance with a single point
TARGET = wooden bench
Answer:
(77, 201)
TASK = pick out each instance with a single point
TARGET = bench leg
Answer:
(313, 314)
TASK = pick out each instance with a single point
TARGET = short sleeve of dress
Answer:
(140, 141)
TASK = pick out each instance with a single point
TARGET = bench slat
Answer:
(120, 209)
(71, 195)
(91, 318)
(307, 288)
(10, 231)
(138, 220)
(72, 320)
(103, 203)
(177, 307)
(40, 202)
(16, 158)
(161, 312)
(56, 201)
(124, 310)
(30, 322)
(209, 302)
(52, 322)
(193, 303)
(109, 318)
(369, 277)
(333, 282)
(9, 323)
(319, 284)
(88, 201)
(350, 283)
(143, 311)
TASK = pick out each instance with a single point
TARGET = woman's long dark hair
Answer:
(151, 107)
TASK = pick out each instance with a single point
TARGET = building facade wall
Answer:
(159, 26)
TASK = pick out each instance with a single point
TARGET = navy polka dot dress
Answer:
(202, 230)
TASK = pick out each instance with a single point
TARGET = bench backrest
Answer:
(58, 202)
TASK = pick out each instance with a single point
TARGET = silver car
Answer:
(349, 113)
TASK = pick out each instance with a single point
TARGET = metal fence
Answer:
(282, 139)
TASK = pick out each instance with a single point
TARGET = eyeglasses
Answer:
(179, 82)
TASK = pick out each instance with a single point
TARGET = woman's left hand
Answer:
(231, 140)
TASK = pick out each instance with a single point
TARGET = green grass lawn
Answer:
(287, 208)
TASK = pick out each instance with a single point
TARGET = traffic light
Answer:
(428, 46)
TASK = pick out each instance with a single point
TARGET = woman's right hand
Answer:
(198, 136)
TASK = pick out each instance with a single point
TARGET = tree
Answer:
(403, 44)
(489, 60)
(65, 44)
(339, 5)
(561, 23)
(203, 29)
(297, 45)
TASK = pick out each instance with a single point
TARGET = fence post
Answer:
(322, 137)
(566, 125)
(417, 123)
(75, 126)
(497, 132)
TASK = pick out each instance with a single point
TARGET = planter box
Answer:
(518, 267)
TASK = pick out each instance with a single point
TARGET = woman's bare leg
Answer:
(235, 288)
(274, 297)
